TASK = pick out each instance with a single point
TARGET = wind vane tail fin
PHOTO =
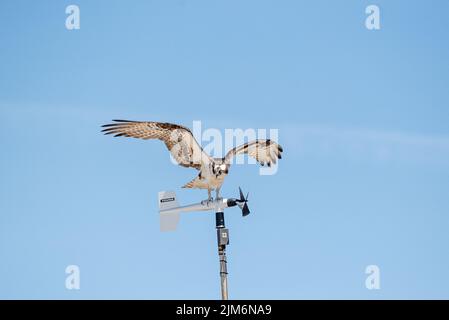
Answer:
(168, 221)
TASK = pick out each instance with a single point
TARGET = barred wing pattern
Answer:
(264, 151)
(178, 139)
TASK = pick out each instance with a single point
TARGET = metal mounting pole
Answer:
(223, 240)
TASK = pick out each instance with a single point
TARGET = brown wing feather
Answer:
(178, 139)
(264, 151)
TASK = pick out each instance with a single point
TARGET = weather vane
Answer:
(212, 171)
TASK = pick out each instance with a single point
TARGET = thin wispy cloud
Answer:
(367, 144)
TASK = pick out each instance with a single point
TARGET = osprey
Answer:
(188, 153)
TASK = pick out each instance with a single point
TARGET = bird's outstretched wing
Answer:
(178, 139)
(264, 151)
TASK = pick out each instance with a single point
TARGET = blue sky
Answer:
(362, 116)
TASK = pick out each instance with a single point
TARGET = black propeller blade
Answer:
(245, 209)
(242, 198)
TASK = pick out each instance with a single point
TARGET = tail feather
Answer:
(196, 183)
(189, 184)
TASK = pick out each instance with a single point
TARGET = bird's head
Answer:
(222, 168)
